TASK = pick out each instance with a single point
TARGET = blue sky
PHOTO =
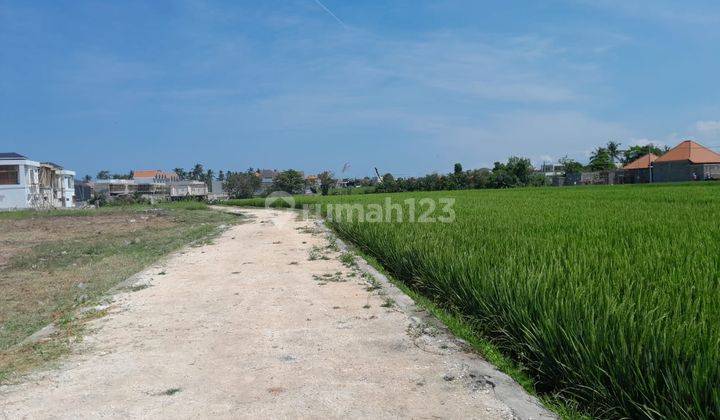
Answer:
(408, 86)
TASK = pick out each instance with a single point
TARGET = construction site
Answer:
(27, 184)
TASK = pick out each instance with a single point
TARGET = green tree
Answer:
(209, 177)
(180, 172)
(521, 168)
(241, 185)
(459, 179)
(634, 152)
(388, 178)
(570, 165)
(458, 169)
(388, 184)
(128, 175)
(103, 175)
(600, 160)
(290, 181)
(538, 180)
(197, 172)
(326, 181)
(478, 178)
(501, 177)
(613, 149)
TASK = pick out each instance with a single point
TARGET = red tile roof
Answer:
(146, 174)
(643, 162)
(155, 174)
(690, 151)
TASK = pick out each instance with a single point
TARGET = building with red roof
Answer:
(688, 161)
(155, 176)
(639, 170)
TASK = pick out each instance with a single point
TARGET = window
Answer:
(9, 175)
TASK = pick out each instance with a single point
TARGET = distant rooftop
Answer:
(154, 173)
(11, 156)
(55, 165)
(142, 173)
(690, 151)
(642, 162)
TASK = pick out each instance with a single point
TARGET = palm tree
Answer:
(180, 172)
(613, 149)
(209, 176)
(600, 160)
(197, 172)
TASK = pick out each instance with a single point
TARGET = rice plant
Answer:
(609, 296)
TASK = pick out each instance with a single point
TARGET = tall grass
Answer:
(609, 296)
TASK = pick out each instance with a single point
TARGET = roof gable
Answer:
(643, 162)
(690, 151)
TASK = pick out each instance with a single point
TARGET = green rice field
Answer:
(607, 296)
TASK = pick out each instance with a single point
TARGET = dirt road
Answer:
(266, 322)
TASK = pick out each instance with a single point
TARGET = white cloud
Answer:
(708, 127)
(93, 68)
(476, 66)
(670, 11)
(645, 142)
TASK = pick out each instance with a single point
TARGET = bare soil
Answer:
(265, 322)
(18, 236)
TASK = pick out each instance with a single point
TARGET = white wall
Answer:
(16, 196)
(13, 197)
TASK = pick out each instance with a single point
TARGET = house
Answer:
(155, 176)
(115, 187)
(686, 162)
(84, 191)
(19, 187)
(312, 181)
(57, 185)
(552, 169)
(27, 184)
(639, 171)
(217, 191)
(266, 178)
(188, 189)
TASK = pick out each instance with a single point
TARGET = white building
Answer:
(57, 186)
(552, 169)
(217, 191)
(27, 184)
(188, 189)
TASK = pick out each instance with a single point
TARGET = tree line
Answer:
(248, 184)
(516, 172)
(608, 157)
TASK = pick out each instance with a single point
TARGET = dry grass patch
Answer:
(55, 263)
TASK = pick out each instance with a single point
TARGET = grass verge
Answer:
(55, 263)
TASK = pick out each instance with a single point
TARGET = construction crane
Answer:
(378, 175)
